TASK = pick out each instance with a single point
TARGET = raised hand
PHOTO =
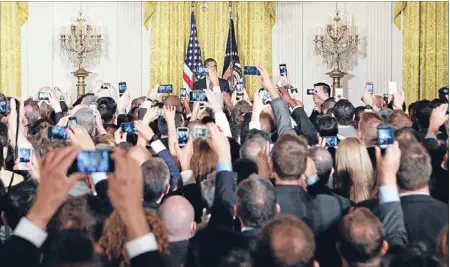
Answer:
(184, 155)
(398, 99)
(79, 136)
(119, 136)
(124, 102)
(54, 185)
(388, 164)
(144, 130)
(219, 143)
(266, 81)
(438, 117)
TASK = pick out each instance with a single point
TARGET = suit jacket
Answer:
(319, 213)
(18, 252)
(222, 213)
(178, 251)
(282, 117)
(201, 84)
(252, 237)
(347, 131)
(304, 125)
(424, 217)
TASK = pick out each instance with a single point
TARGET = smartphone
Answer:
(43, 96)
(339, 94)
(310, 91)
(165, 89)
(24, 157)
(386, 98)
(385, 136)
(93, 161)
(182, 136)
(200, 132)
(369, 87)
(160, 112)
(122, 88)
(72, 121)
(198, 96)
(265, 95)
(183, 93)
(127, 127)
(283, 70)
(4, 107)
(57, 132)
(392, 88)
(251, 70)
(202, 71)
(141, 113)
(331, 141)
(62, 98)
(239, 91)
(93, 106)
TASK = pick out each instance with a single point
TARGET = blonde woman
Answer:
(354, 176)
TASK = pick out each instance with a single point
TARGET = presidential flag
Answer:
(232, 70)
(193, 58)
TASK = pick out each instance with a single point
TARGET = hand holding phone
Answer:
(122, 88)
(251, 70)
(165, 89)
(310, 91)
(283, 70)
(385, 136)
(265, 95)
(182, 136)
(331, 141)
(43, 96)
(369, 87)
(200, 132)
(4, 107)
(57, 132)
(128, 127)
(198, 96)
(93, 161)
(25, 153)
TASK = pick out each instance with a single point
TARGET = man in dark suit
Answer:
(178, 217)
(211, 79)
(256, 203)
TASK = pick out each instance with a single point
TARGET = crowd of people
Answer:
(259, 185)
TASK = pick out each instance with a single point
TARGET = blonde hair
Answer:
(354, 171)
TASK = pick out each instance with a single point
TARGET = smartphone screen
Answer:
(160, 112)
(182, 136)
(369, 87)
(331, 141)
(386, 98)
(266, 99)
(4, 107)
(24, 157)
(43, 96)
(200, 132)
(183, 93)
(240, 87)
(57, 132)
(392, 88)
(251, 70)
(122, 88)
(93, 106)
(165, 89)
(310, 91)
(202, 71)
(283, 70)
(385, 136)
(141, 113)
(339, 94)
(198, 96)
(72, 121)
(93, 161)
(127, 127)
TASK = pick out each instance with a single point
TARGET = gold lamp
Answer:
(82, 44)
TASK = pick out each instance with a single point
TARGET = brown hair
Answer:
(289, 156)
(114, 237)
(204, 160)
(44, 146)
(354, 171)
(286, 241)
(399, 119)
(237, 116)
(106, 139)
(368, 128)
(415, 166)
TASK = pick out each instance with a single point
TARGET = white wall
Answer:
(127, 46)
(381, 48)
(127, 56)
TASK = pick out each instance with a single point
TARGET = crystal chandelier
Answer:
(82, 44)
(337, 43)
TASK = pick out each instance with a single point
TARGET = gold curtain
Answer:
(170, 28)
(12, 16)
(425, 47)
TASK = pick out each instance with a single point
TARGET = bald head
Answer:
(178, 216)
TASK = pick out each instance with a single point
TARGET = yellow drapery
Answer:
(425, 47)
(12, 16)
(170, 28)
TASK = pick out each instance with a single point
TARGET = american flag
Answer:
(193, 58)
(232, 67)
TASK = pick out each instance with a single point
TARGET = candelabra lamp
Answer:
(82, 43)
(337, 43)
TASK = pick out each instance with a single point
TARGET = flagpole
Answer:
(231, 44)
